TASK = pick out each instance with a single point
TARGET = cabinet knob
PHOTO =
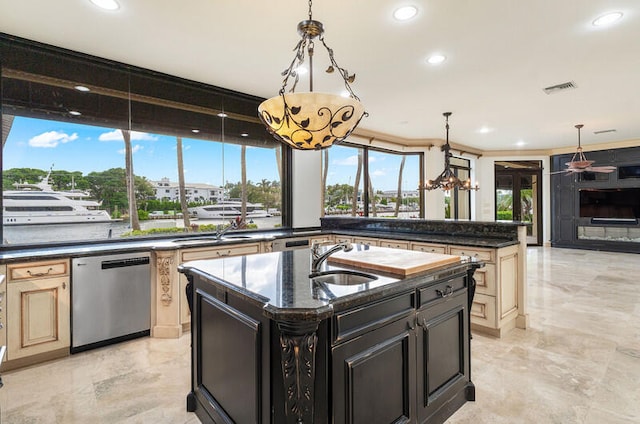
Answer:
(411, 324)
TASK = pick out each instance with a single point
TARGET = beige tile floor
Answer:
(579, 362)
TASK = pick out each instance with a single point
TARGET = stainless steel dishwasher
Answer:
(110, 299)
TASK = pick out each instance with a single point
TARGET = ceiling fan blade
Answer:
(603, 169)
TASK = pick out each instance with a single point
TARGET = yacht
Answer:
(228, 209)
(32, 204)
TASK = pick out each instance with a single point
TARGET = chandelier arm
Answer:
(290, 72)
(343, 72)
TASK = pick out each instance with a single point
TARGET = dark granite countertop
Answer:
(471, 241)
(280, 283)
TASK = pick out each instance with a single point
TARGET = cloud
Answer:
(116, 135)
(134, 149)
(51, 139)
(379, 173)
(348, 161)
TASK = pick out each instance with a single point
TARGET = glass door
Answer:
(519, 195)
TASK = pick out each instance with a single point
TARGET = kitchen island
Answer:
(273, 344)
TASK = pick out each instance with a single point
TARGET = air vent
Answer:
(604, 131)
(560, 87)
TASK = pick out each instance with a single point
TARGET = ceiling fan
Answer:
(579, 162)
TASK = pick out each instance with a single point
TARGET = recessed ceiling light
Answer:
(521, 143)
(485, 130)
(244, 135)
(405, 13)
(106, 4)
(222, 115)
(301, 70)
(82, 88)
(74, 113)
(436, 59)
(195, 131)
(607, 19)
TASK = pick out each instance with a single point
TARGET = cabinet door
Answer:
(39, 316)
(443, 362)
(374, 376)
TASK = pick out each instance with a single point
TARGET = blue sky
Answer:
(34, 143)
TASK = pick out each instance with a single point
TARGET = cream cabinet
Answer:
(3, 306)
(38, 308)
(193, 254)
(429, 247)
(395, 244)
(498, 301)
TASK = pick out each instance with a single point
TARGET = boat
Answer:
(228, 209)
(33, 204)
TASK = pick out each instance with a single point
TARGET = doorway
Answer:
(519, 195)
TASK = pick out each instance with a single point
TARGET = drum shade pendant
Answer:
(447, 180)
(309, 120)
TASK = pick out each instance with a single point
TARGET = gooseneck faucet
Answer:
(222, 230)
(318, 258)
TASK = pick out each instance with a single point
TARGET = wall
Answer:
(307, 188)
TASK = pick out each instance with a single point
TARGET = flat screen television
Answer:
(614, 203)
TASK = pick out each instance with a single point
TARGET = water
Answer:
(35, 234)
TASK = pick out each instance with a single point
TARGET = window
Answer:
(458, 202)
(363, 181)
(75, 145)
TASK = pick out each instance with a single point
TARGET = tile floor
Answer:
(579, 362)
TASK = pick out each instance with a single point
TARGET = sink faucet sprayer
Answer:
(318, 258)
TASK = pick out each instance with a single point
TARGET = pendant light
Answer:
(311, 120)
(447, 180)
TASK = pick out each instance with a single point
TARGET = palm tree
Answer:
(181, 185)
(7, 123)
(243, 169)
(356, 184)
(325, 172)
(372, 198)
(399, 194)
(129, 175)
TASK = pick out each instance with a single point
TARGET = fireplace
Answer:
(618, 205)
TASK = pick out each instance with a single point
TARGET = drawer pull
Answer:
(227, 253)
(40, 274)
(448, 291)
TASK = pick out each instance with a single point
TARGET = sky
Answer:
(41, 144)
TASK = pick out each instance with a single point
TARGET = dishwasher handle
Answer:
(121, 263)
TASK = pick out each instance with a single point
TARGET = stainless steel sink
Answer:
(342, 277)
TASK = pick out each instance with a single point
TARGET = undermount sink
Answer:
(342, 278)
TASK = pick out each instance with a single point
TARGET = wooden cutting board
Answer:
(394, 261)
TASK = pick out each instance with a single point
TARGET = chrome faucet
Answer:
(222, 230)
(318, 258)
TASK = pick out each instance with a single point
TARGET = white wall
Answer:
(485, 197)
(307, 186)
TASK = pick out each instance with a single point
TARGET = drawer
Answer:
(487, 255)
(26, 271)
(321, 239)
(431, 248)
(354, 322)
(395, 244)
(342, 239)
(366, 241)
(440, 290)
(483, 311)
(220, 252)
(486, 280)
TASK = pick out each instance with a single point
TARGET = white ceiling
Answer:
(500, 56)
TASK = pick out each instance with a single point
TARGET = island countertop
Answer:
(281, 283)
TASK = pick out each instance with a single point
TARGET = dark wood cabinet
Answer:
(374, 376)
(400, 356)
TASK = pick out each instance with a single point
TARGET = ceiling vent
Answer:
(560, 87)
(604, 131)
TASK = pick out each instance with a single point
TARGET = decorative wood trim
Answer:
(164, 271)
(26, 313)
(298, 341)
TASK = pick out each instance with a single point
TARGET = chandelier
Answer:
(447, 180)
(309, 120)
